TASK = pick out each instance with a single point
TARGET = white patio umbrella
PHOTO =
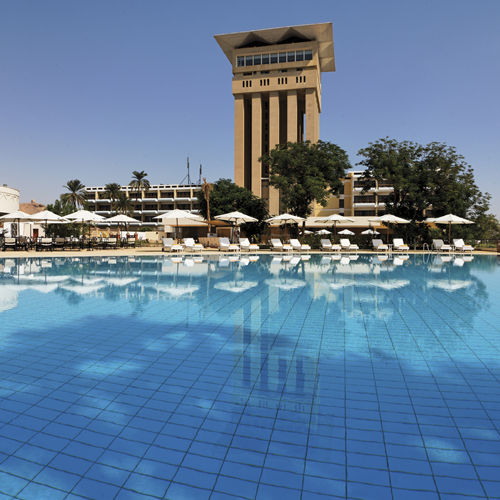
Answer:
(83, 216)
(370, 232)
(333, 219)
(323, 231)
(17, 216)
(346, 232)
(122, 218)
(236, 219)
(390, 219)
(450, 219)
(285, 219)
(178, 217)
(49, 217)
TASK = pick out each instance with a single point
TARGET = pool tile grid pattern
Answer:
(372, 421)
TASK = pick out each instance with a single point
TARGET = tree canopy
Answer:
(426, 178)
(75, 196)
(139, 180)
(305, 172)
(226, 196)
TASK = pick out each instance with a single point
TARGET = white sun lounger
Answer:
(226, 246)
(326, 245)
(192, 246)
(399, 245)
(461, 246)
(247, 246)
(441, 246)
(278, 246)
(297, 245)
(347, 245)
(379, 245)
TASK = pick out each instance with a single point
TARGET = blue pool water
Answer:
(154, 378)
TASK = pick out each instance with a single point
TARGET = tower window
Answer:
(240, 61)
(273, 58)
(299, 55)
(265, 58)
(308, 55)
(256, 59)
(282, 57)
(291, 57)
(248, 60)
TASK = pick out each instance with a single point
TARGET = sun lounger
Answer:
(247, 246)
(461, 246)
(44, 244)
(326, 245)
(112, 243)
(441, 246)
(347, 245)
(379, 245)
(278, 246)
(399, 245)
(226, 246)
(298, 246)
(9, 244)
(190, 245)
(168, 245)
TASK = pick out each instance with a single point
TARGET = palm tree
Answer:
(75, 196)
(123, 204)
(139, 180)
(113, 191)
(207, 189)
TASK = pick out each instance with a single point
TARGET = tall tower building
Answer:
(277, 94)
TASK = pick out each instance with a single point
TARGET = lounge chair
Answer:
(460, 246)
(379, 245)
(279, 247)
(44, 244)
(347, 245)
(297, 245)
(190, 245)
(59, 243)
(247, 246)
(399, 245)
(9, 244)
(226, 246)
(441, 246)
(112, 243)
(326, 245)
(168, 245)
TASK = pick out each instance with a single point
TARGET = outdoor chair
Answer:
(112, 243)
(399, 245)
(347, 245)
(278, 246)
(226, 246)
(168, 245)
(440, 246)
(379, 245)
(44, 244)
(59, 243)
(461, 246)
(298, 246)
(326, 245)
(191, 246)
(247, 246)
(9, 244)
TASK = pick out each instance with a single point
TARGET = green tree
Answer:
(139, 180)
(113, 191)
(305, 172)
(75, 196)
(226, 196)
(124, 204)
(431, 178)
(62, 206)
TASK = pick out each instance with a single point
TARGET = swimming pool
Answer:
(250, 377)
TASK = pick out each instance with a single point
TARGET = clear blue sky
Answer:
(94, 89)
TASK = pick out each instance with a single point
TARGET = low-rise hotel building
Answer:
(148, 203)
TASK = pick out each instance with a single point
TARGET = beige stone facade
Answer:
(277, 95)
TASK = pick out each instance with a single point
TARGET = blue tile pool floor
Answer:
(274, 378)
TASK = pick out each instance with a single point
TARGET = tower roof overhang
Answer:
(322, 33)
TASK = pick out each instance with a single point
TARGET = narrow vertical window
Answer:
(248, 60)
(282, 57)
(240, 61)
(308, 55)
(299, 55)
(273, 58)
(265, 58)
(257, 59)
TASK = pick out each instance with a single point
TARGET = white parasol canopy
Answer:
(347, 232)
(370, 231)
(84, 216)
(390, 219)
(286, 219)
(123, 218)
(17, 216)
(323, 231)
(237, 218)
(49, 217)
(178, 218)
(333, 219)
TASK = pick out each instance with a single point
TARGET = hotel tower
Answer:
(277, 95)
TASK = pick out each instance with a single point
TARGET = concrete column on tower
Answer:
(312, 116)
(292, 116)
(274, 139)
(239, 140)
(256, 166)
